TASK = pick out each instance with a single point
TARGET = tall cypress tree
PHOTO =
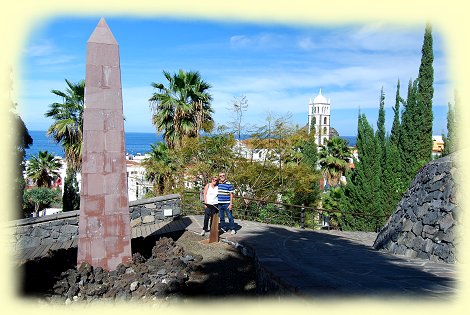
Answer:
(424, 98)
(394, 181)
(22, 141)
(363, 188)
(395, 133)
(380, 135)
(409, 135)
(71, 196)
(450, 141)
(393, 184)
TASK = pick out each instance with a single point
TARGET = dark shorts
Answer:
(210, 209)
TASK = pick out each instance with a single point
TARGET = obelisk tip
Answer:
(102, 34)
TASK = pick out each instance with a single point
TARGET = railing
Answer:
(258, 210)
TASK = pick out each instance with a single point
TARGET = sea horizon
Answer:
(136, 143)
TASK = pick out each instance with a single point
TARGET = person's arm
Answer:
(231, 190)
(204, 195)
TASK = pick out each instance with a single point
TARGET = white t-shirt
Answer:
(211, 195)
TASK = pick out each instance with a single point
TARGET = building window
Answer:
(325, 130)
(325, 121)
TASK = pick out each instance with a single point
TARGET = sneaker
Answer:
(233, 232)
(203, 233)
(223, 229)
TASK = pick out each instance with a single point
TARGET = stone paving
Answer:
(338, 264)
(325, 263)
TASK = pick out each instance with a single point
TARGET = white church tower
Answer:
(319, 115)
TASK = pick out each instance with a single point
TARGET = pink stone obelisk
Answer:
(104, 229)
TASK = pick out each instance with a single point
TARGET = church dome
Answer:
(320, 99)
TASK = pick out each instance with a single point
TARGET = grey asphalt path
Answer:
(335, 264)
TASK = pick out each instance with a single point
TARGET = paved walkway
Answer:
(334, 263)
(318, 263)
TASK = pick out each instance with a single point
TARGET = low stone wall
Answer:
(152, 210)
(63, 227)
(425, 221)
(45, 230)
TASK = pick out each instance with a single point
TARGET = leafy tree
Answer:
(182, 108)
(43, 169)
(450, 142)
(305, 150)
(301, 186)
(40, 198)
(425, 94)
(196, 160)
(287, 169)
(334, 158)
(206, 156)
(256, 180)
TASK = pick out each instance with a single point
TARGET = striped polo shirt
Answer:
(224, 192)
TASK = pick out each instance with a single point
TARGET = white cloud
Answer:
(258, 41)
(45, 53)
(378, 37)
(278, 71)
(44, 48)
(306, 43)
(239, 41)
(382, 37)
(56, 60)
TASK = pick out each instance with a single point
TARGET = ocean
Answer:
(136, 143)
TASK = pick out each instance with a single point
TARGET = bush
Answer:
(37, 199)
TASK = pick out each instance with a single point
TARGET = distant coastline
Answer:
(136, 143)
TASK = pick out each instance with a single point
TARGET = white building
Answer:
(137, 184)
(319, 115)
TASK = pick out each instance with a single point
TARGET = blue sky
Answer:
(278, 67)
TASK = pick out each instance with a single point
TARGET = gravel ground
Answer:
(225, 271)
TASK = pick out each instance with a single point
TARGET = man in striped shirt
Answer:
(225, 199)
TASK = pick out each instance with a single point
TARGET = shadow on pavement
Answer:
(320, 264)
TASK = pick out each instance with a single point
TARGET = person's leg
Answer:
(206, 220)
(230, 219)
(212, 211)
(222, 210)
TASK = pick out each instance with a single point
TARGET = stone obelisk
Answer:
(104, 229)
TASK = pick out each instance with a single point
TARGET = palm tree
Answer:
(67, 129)
(160, 167)
(334, 158)
(181, 109)
(43, 169)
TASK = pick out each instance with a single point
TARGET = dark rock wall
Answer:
(425, 221)
(152, 210)
(63, 227)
